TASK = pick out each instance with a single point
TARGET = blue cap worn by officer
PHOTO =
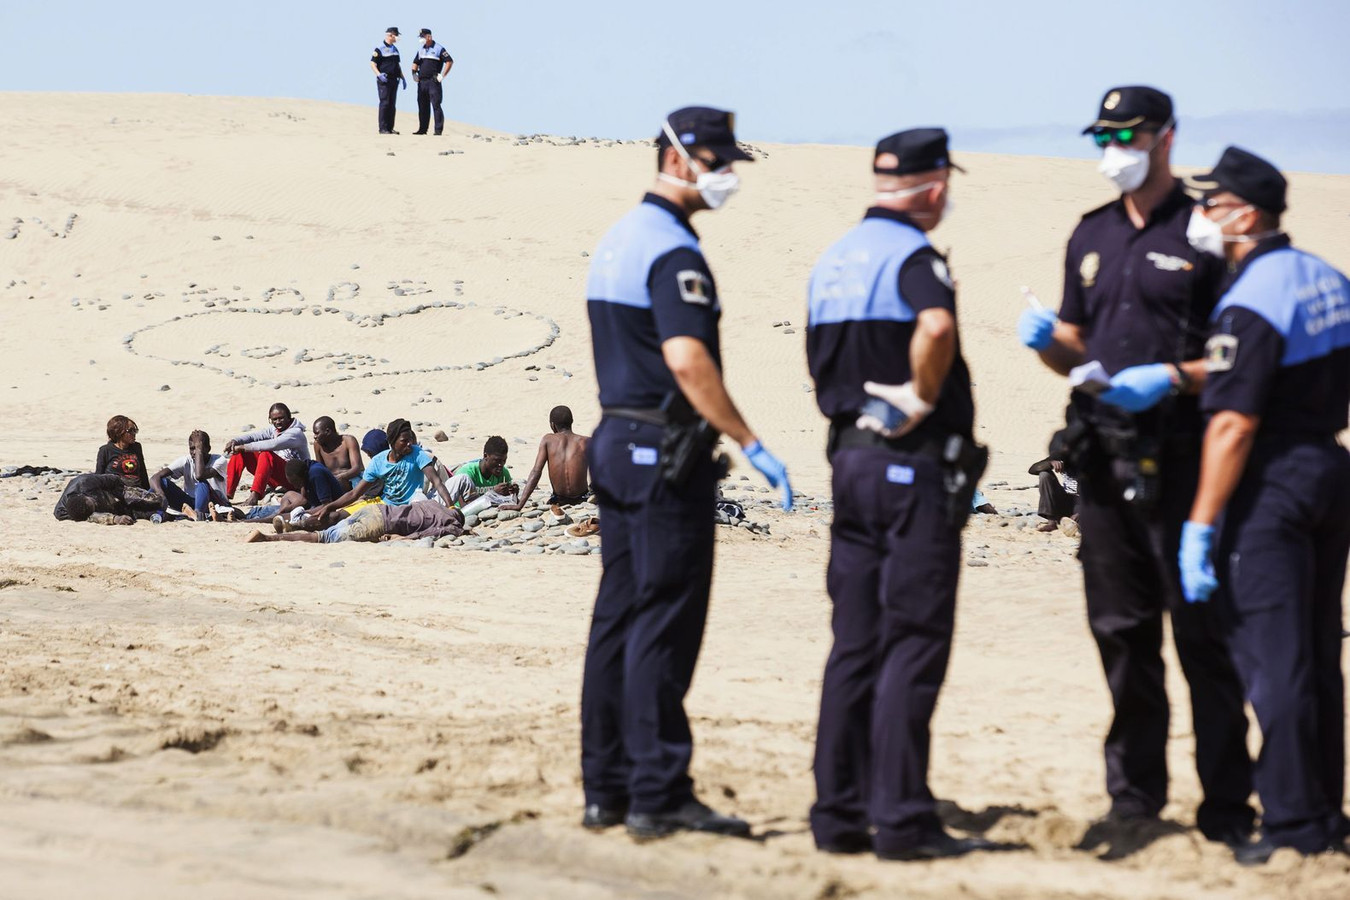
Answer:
(1277, 390)
(654, 311)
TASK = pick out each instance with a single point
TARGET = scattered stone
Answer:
(441, 437)
(164, 387)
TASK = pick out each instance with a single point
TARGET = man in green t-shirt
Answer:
(484, 482)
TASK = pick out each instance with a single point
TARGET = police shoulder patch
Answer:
(694, 287)
(942, 274)
(1220, 352)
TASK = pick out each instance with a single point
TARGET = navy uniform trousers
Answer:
(648, 621)
(388, 90)
(892, 577)
(429, 102)
(1131, 579)
(1281, 562)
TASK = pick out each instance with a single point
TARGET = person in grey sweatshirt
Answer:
(264, 452)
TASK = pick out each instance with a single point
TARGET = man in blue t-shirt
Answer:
(398, 472)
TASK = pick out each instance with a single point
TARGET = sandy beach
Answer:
(186, 715)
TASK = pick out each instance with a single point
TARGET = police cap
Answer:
(1247, 175)
(704, 126)
(391, 30)
(1132, 106)
(425, 32)
(918, 149)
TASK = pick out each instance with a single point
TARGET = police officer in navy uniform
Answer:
(882, 323)
(1278, 360)
(430, 66)
(654, 311)
(1137, 297)
(388, 68)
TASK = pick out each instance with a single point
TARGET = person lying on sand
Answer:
(565, 453)
(381, 522)
(339, 452)
(399, 474)
(104, 499)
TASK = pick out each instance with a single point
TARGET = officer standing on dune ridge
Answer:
(654, 312)
(1137, 297)
(1278, 357)
(430, 66)
(882, 324)
(388, 68)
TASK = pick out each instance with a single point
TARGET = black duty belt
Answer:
(844, 436)
(650, 415)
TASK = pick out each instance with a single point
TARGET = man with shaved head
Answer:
(264, 452)
(340, 453)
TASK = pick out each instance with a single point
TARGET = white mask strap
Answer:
(906, 192)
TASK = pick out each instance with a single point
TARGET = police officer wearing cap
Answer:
(654, 311)
(1278, 360)
(882, 324)
(386, 65)
(1137, 296)
(430, 66)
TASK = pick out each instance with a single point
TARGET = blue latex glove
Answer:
(1036, 328)
(1139, 387)
(1197, 567)
(382, 77)
(771, 468)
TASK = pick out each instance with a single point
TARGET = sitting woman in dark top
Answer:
(122, 455)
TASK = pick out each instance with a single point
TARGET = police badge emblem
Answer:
(1087, 269)
(1220, 352)
(1112, 100)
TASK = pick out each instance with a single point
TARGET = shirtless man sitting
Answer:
(565, 452)
(340, 453)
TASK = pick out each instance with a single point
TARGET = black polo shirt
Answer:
(387, 60)
(1140, 295)
(1247, 373)
(841, 356)
(628, 332)
(430, 60)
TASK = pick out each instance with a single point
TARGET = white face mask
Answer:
(919, 189)
(713, 187)
(1206, 235)
(1127, 167)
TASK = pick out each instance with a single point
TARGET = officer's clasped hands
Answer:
(1197, 566)
(902, 398)
(771, 468)
(1036, 328)
(1139, 387)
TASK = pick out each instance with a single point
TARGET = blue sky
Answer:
(1005, 77)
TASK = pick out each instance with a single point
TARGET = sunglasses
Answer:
(1104, 137)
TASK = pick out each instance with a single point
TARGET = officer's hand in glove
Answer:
(771, 468)
(382, 77)
(907, 409)
(1197, 566)
(1036, 328)
(1139, 387)
(440, 77)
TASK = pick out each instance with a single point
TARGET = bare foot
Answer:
(122, 520)
(257, 537)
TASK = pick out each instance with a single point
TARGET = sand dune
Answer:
(190, 716)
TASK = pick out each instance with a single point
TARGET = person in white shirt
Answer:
(202, 472)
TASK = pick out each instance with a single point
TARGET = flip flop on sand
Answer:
(281, 525)
(585, 528)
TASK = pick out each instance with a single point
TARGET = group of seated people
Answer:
(399, 490)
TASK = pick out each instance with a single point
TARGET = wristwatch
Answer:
(1184, 381)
